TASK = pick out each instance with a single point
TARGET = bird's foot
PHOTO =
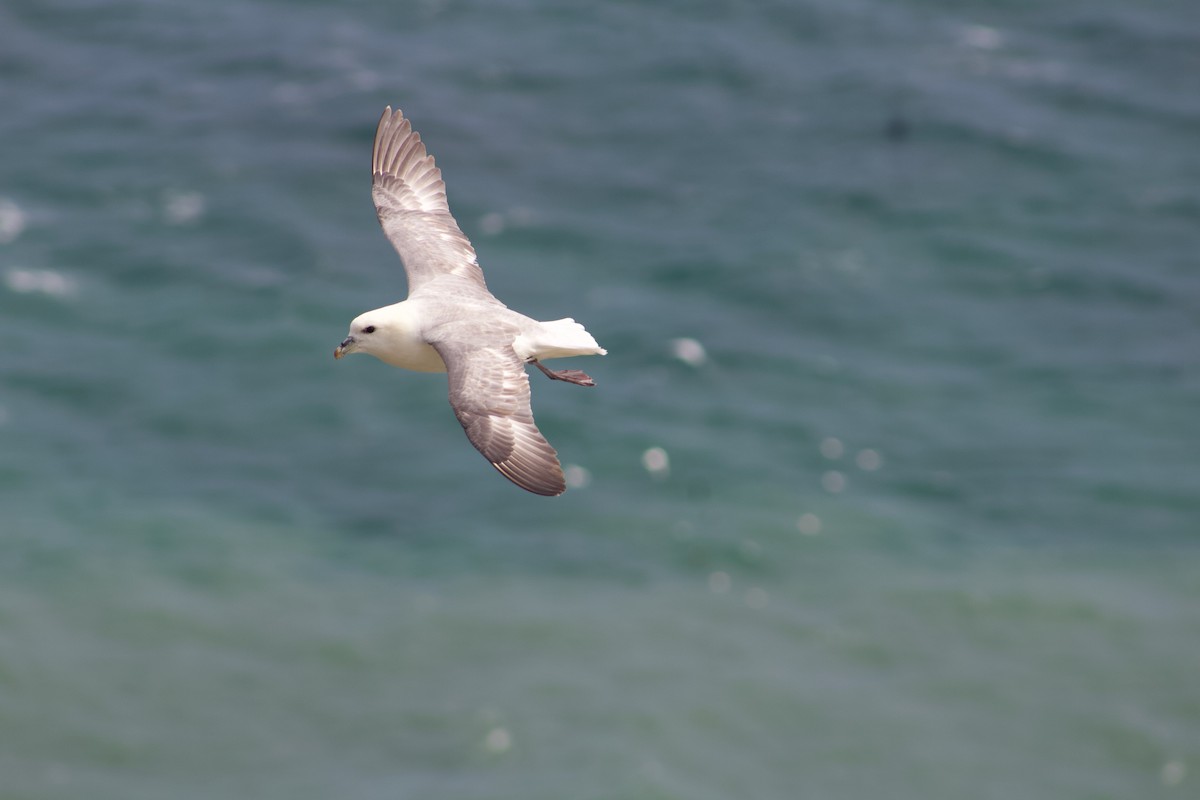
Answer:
(577, 377)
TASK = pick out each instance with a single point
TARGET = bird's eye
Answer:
(369, 329)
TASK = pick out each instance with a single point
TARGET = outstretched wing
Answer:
(410, 199)
(489, 392)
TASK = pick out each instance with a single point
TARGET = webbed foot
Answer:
(575, 376)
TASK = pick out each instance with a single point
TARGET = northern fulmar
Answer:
(451, 323)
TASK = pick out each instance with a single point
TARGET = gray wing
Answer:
(489, 392)
(410, 199)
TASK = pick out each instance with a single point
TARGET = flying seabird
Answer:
(451, 323)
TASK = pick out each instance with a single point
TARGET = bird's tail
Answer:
(561, 338)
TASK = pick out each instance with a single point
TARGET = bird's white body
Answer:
(399, 336)
(451, 323)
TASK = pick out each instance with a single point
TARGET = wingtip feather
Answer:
(532, 481)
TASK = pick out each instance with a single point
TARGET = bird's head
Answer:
(364, 336)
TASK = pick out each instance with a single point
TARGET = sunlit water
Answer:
(888, 487)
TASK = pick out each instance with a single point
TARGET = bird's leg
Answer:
(575, 376)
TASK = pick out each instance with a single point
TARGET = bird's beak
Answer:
(347, 346)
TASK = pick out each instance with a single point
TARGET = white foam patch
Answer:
(809, 524)
(12, 220)
(689, 351)
(39, 281)
(868, 460)
(492, 223)
(498, 740)
(657, 462)
(832, 447)
(719, 582)
(1173, 773)
(181, 208)
(980, 37)
(576, 476)
(833, 481)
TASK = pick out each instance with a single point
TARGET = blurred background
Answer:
(888, 487)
